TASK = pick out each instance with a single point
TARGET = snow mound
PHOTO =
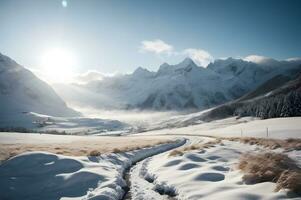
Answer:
(42, 175)
(206, 174)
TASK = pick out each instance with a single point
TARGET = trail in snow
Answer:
(135, 170)
(141, 185)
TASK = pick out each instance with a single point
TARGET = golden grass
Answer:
(87, 147)
(181, 151)
(94, 153)
(176, 153)
(116, 150)
(290, 180)
(288, 144)
(273, 167)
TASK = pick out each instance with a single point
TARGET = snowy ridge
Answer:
(177, 87)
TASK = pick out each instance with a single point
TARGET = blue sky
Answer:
(120, 35)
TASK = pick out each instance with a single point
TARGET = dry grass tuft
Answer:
(137, 147)
(192, 147)
(212, 143)
(116, 150)
(94, 153)
(181, 151)
(290, 180)
(176, 153)
(288, 144)
(274, 167)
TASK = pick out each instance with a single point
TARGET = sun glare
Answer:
(64, 3)
(58, 64)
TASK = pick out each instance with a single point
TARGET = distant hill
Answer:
(278, 97)
(284, 101)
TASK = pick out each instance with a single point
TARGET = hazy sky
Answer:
(119, 35)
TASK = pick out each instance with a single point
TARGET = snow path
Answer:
(126, 173)
(142, 185)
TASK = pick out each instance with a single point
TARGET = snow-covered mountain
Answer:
(279, 96)
(181, 86)
(22, 92)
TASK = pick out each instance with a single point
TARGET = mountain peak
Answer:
(222, 63)
(140, 71)
(8, 63)
(29, 93)
(165, 64)
(165, 68)
(186, 62)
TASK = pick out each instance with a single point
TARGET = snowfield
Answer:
(200, 174)
(281, 128)
(147, 173)
(42, 175)
(71, 125)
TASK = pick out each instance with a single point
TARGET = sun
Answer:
(64, 3)
(58, 64)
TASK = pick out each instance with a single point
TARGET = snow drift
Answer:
(42, 175)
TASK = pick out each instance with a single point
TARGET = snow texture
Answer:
(42, 175)
(200, 174)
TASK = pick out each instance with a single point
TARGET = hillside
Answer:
(22, 92)
(278, 97)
